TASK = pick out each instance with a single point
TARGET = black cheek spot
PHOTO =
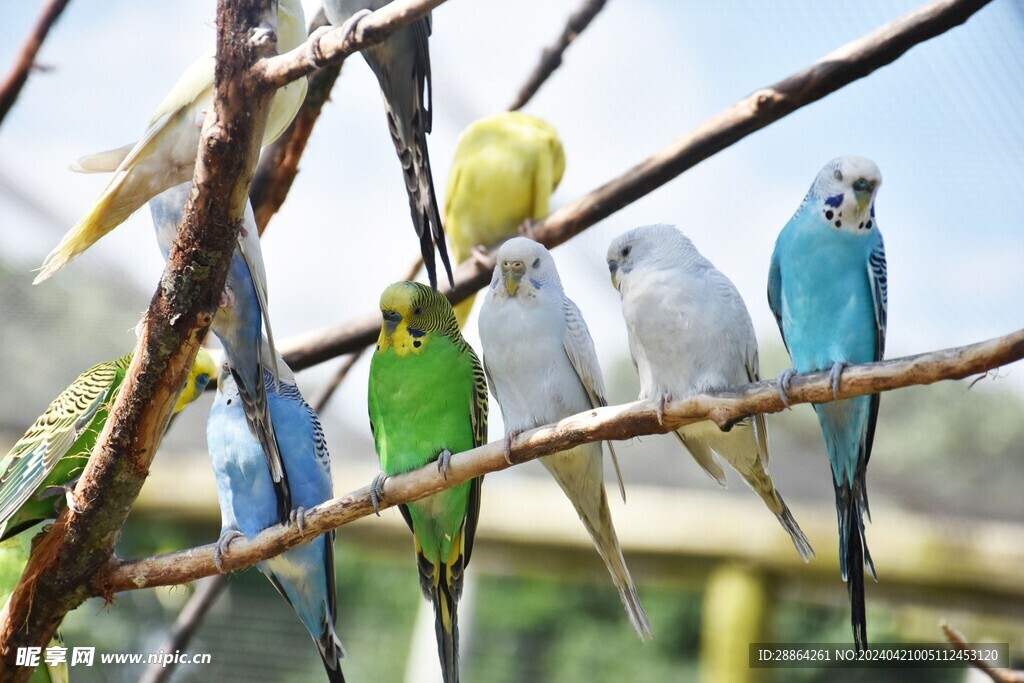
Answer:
(417, 343)
(228, 401)
(378, 347)
(839, 224)
(829, 215)
(869, 225)
(861, 226)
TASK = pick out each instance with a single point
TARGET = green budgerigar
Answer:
(53, 452)
(428, 400)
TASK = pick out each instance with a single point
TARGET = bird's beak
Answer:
(613, 268)
(512, 273)
(391, 320)
(864, 197)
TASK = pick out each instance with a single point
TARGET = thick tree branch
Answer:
(997, 675)
(279, 163)
(611, 423)
(62, 566)
(26, 58)
(551, 58)
(767, 105)
(335, 45)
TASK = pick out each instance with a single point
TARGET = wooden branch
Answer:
(997, 675)
(611, 423)
(551, 57)
(26, 58)
(81, 542)
(337, 44)
(767, 105)
(191, 616)
(279, 163)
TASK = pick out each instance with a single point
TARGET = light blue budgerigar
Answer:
(401, 63)
(238, 324)
(303, 575)
(827, 288)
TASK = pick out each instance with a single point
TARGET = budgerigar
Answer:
(166, 154)
(47, 460)
(505, 169)
(428, 400)
(542, 366)
(239, 323)
(401, 63)
(303, 575)
(690, 333)
(827, 287)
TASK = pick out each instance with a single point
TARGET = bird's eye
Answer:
(417, 311)
(626, 250)
(536, 263)
(860, 185)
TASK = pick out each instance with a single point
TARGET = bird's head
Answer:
(648, 246)
(411, 311)
(203, 370)
(843, 194)
(523, 269)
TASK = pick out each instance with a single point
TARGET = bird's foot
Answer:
(662, 406)
(526, 229)
(298, 518)
(221, 549)
(262, 35)
(69, 494)
(313, 53)
(782, 384)
(481, 257)
(444, 458)
(835, 374)
(510, 436)
(377, 491)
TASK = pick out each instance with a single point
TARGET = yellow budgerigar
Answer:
(506, 168)
(166, 154)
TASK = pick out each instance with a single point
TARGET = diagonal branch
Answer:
(551, 58)
(26, 59)
(82, 541)
(611, 423)
(752, 113)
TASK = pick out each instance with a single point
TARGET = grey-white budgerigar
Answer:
(541, 366)
(401, 63)
(690, 333)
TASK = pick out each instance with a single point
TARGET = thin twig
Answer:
(725, 408)
(997, 675)
(551, 57)
(191, 616)
(26, 58)
(767, 105)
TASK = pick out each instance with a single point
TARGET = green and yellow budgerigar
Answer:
(54, 451)
(166, 154)
(427, 400)
(506, 168)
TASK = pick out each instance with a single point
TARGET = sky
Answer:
(943, 123)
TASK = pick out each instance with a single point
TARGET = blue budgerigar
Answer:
(239, 324)
(304, 575)
(827, 288)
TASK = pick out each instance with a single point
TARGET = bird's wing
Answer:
(878, 278)
(53, 434)
(252, 254)
(579, 347)
(775, 292)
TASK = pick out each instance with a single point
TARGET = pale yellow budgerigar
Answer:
(506, 168)
(166, 154)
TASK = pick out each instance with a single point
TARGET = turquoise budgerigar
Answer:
(427, 399)
(689, 333)
(401, 63)
(542, 366)
(303, 575)
(166, 154)
(239, 323)
(827, 287)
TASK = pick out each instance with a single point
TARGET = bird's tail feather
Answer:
(446, 626)
(788, 522)
(331, 652)
(851, 503)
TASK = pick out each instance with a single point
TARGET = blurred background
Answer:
(714, 569)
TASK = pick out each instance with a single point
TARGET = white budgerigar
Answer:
(166, 154)
(542, 367)
(690, 333)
